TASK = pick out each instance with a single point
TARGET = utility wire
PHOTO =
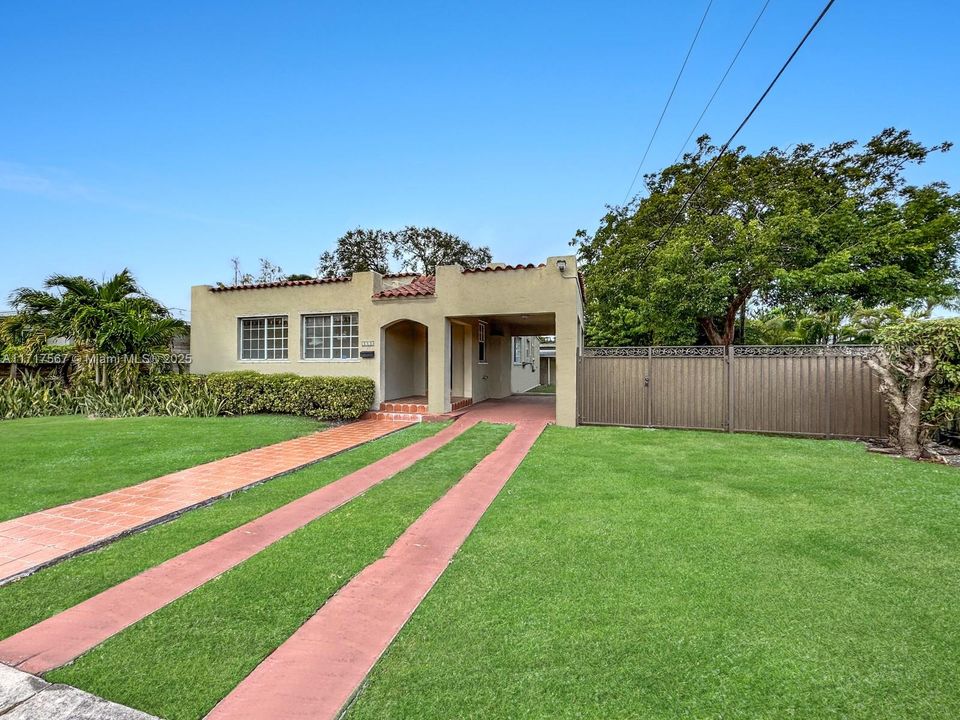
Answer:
(722, 80)
(667, 104)
(740, 127)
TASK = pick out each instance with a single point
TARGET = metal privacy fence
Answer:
(826, 391)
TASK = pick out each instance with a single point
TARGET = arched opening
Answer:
(404, 360)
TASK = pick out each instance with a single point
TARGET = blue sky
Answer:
(171, 136)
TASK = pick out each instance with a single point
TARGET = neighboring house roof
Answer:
(420, 286)
(279, 283)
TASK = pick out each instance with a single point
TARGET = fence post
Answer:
(826, 395)
(730, 393)
(648, 386)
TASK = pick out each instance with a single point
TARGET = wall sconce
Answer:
(562, 265)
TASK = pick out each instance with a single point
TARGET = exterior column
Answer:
(438, 366)
(568, 350)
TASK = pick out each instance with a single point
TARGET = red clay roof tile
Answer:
(528, 266)
(420, 286)
(280, 283)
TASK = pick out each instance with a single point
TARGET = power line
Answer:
(667, 104)
(740, 127)
(722, 80)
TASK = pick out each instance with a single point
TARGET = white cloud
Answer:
(46, 182)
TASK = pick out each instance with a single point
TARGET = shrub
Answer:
(180, 396)
(230, 393)
(323, 398)
(34, 397)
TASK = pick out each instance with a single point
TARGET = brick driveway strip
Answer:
(320, 667)
(31, 542)
(64, 637)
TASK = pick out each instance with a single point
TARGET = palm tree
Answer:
(114, 317)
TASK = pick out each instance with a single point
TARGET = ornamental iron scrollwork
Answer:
(803, 350)
(716, 351)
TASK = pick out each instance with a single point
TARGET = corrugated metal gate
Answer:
(826, 391)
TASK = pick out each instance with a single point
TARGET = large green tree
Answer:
(414, 249)
(807, 229)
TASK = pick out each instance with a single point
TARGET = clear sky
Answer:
(171, 136)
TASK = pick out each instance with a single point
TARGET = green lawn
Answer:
(53, 460)
(543, 390)
(662, 574)
(44, 594)
(181, 660)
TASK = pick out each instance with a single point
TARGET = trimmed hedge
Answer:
(323, 398)
(226, 393)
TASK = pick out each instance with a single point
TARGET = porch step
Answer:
(412, 407)
(403, 417)
(394, 406)
(460, 404)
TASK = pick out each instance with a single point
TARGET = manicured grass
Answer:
(37, 597)
(53, 460)
(657, 574)
(183, 659)
(543, 390)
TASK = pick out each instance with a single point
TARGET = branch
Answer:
(889, 385)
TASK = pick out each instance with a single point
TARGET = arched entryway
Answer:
(404, 360)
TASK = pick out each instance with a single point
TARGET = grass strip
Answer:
(179, 662)
(39, 596)
(54, 460)
(663, 574)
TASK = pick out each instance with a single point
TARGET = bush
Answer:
(36, 396)
(322, 398)
(229, 393)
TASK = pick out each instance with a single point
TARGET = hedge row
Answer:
(228, 393)
(323, 398)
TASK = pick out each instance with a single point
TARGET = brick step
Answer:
(401, 407)
(408, 408)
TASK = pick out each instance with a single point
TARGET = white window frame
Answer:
(517, 350)
(481, 342)
(354, 350)
(280, 343)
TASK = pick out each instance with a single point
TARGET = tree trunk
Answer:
(13, 371)
(904, 386)
(714, 336)
(909, 423)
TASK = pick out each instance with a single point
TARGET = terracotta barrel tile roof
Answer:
(280, 283)
(528, 266)
(420, 286)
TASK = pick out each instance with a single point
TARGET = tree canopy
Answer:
(807, 230)
(414, 249)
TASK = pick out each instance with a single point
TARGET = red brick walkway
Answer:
(319, 668)
(34, 541)
(64, 637)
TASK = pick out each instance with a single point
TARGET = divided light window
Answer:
(517, 350)
(331, 337)
(263, 338)
(482, 342)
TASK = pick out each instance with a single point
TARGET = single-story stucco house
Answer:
(448, 339)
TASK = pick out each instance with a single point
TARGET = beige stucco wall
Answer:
(465, 297)
(524, 377)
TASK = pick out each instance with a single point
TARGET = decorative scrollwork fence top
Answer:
(716, 351)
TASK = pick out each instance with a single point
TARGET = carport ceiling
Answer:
(520, 324)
